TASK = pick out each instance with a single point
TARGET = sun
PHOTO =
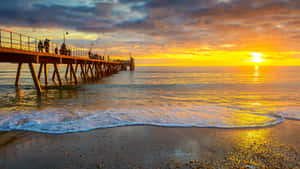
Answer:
(256, 57)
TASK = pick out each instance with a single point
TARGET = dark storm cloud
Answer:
(94, 18)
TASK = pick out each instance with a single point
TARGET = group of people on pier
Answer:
(64, 51)
(95, 56)
(46, 45)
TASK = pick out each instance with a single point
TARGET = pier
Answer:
(80, 66)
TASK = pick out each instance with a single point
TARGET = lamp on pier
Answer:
(65, 33)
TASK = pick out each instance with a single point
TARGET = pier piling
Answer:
(35, 78)
(17, 83)
(46, 75)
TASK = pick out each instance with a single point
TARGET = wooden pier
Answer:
(22, 49)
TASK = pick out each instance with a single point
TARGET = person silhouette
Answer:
(40, 46)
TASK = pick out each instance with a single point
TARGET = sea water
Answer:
(220, 97)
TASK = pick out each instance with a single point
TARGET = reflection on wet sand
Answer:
(250, 148)
(153, 147)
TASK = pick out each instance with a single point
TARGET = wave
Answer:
(291, 116)
(60, 121)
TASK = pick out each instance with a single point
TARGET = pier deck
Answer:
(12, 55)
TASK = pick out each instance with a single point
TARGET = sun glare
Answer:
(256, 57)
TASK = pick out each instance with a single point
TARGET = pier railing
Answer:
(20, 41)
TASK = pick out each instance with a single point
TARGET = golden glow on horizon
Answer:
(194, 57)
(244, 53)
(256, 57)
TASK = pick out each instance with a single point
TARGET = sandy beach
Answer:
(153, 147)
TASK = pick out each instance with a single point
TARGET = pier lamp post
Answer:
(65, 33)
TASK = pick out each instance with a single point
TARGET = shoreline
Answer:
(152, 125)
(145, 147)
(274, 123)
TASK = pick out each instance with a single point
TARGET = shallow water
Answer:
(222, 97)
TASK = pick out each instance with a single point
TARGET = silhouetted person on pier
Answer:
(63, 49)
(96, 56)
(90, 54)
(69, 52)
(56, 50)
(40, 46)
(47, 45)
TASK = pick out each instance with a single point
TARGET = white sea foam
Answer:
(59, 121)
(291, 113)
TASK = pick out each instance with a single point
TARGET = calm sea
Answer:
(221, 97)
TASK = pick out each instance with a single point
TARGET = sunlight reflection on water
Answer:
(163, 96)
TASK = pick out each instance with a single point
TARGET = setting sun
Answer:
(256, 57)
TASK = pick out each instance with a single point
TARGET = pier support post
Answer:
(132, 66)
(58, 75)
(35, 78)
(53, 78)
(83, 71)
(40, 72)
(76, 67)
(46, 75)
(18, 75)
(66, 74)
(102, 70)
(92, 71)
(86, 71)
(98, 72)
(73, 73)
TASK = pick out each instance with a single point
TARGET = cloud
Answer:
(95, 18)
(157, 25)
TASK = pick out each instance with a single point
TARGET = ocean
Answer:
(214, 97)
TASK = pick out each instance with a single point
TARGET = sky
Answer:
(167, 32)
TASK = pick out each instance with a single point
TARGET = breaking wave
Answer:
(59, 120)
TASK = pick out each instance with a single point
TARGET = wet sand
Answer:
(154, 147)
